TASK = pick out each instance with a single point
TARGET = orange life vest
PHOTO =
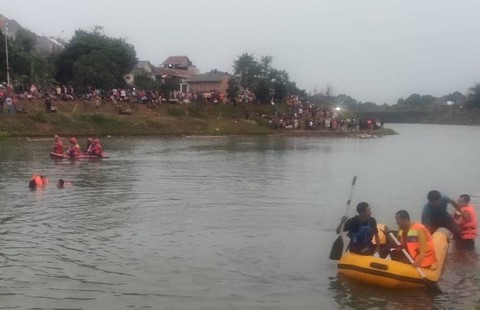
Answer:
(39, 182)
(410, 241)
(469, 230)
(58, 147)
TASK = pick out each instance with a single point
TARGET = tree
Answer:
(143, 81)
(260, 77)
(262, 90)
(233, 88)
(347, 102)
(474, 96)
(325, 97)
(25, 40)
(94, 69)
(247, 69)
(27, 65)
(279, 83)
(113, 56)
(3, 67)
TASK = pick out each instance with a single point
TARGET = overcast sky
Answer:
(372, 50)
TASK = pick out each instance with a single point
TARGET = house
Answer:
(213, 81)
(450, 99)
(179, 63)
(143, 67)
(11, 27)
(177, 69)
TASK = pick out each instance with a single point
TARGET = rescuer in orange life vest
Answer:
(58, 146)
(37, 181)
(89, 145)
(467, 221)
(74, 149)
(416, 239)
(96, 148)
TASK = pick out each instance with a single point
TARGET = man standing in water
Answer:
(467, 223)
(361, 230)
(435, 215)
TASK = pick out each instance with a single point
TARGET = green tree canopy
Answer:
(95, 69)
(474, 96)
(260, 77)
(247, 69)
(233, 88)
(27, 65)
(418, 101)
(93, 59)
(143, 81)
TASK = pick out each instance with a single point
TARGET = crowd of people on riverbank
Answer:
(125, 95)
(301, 114)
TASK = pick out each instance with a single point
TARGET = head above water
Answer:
(32, 184)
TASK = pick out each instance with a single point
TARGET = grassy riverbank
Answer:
(83, 118)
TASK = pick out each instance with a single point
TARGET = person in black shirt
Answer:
(361, 229)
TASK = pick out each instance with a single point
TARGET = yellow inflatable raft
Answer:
(392, 274)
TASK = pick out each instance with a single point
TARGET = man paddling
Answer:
(361, 230)
(89, 145)
(58, 146)
(96, 148)
(416, 239)
(74, 149)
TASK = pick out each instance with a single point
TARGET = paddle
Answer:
(431, 285)
(337, 247)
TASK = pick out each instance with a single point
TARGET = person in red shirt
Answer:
(74, 149)
(96, 148)
(58, 146)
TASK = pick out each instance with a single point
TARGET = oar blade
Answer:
(337, 249)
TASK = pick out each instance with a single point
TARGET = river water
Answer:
(221, 222)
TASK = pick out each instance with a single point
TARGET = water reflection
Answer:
(354, 295)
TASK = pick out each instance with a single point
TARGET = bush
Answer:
(176, 111)
(40, 117)
(197, 111)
